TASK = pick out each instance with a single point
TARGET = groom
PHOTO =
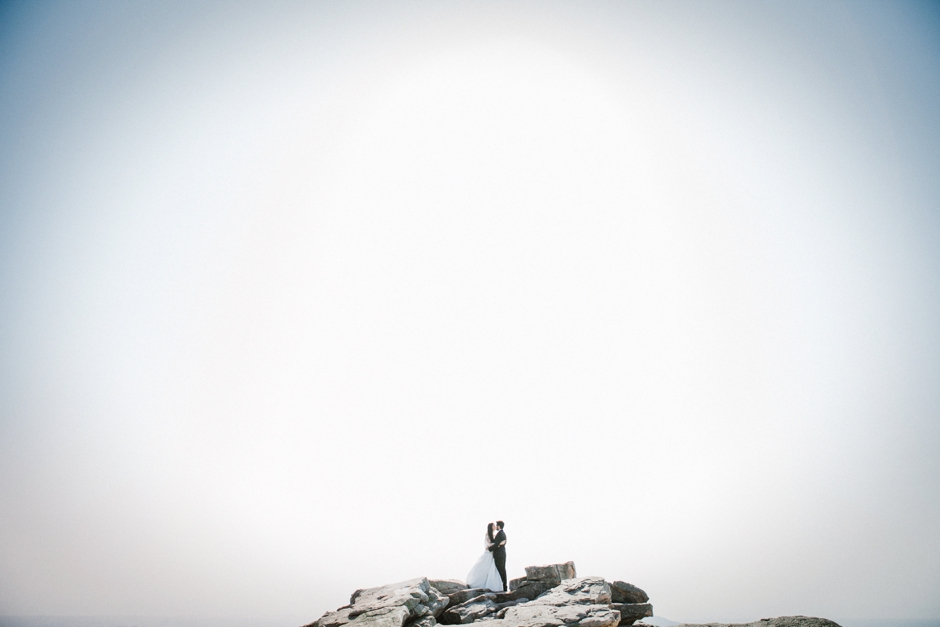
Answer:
(499, 552)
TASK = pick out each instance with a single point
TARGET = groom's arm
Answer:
(499, 540)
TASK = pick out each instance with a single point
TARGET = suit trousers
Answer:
(499, 556)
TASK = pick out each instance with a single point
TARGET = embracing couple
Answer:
(490, 570)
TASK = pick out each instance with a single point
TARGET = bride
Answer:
(484, 573)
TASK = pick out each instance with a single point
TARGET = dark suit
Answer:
(499, 556)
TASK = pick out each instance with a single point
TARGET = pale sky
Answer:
(297, 297)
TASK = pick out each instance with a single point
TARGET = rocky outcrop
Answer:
(632, 612)
(548, 596)
(583, 591)
(529, 589)
(447, 587)
(562, 600)
(581, 602)
(462, 596)
(412, 602)
(780, 621)
(622, 592)
(479, 607)
(470, 610)
(541, 579)
(527, 615)
(552, 572)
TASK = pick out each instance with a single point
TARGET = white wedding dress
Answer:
(484, 573)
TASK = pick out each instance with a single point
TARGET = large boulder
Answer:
(622, 592)
(471, 610)
(582, 591)
(522, 587)
(632, 612)
(551, 573)
(580, 602)
(508, 604)
(780, 621)
(392, 605)
(390, 593)
(448, 587)
(503, 597)
(394, 616)
(436, 602)
(462, 596)
(541, 579)
(534, 615)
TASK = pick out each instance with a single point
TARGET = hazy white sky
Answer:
(297, 297)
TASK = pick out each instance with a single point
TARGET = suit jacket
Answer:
(500, 537)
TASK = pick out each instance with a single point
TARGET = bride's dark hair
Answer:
(489, 531)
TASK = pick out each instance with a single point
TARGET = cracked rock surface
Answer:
(395, 605)
(548, 596)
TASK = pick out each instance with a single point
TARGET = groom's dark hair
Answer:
(500, 524)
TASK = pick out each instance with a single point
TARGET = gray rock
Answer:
(531, 589)
(462, 596)
(420, 610)
(436, 601)
(573, 603)
(470, 611)
(386, 606)
(505, 597)
(622, 592)
(383, 595)
(582, 591)
(780, 621)
(551, 572)
(331, 619)
(382, 617)
(534, 615)
(559, 601)
(448, 586)
(501, 607)
(541, 579)
(632, 612)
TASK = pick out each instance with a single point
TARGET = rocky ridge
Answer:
(548, 596)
